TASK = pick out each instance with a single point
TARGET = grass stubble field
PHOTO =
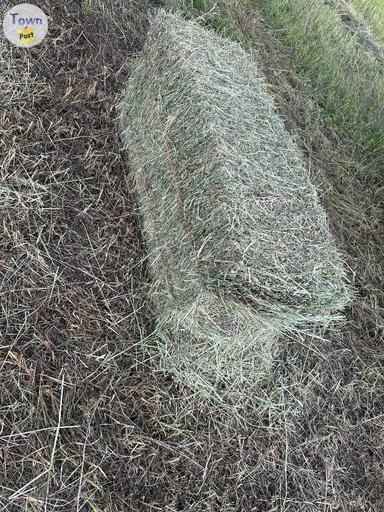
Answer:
(86, 421)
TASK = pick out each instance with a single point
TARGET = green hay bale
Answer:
(233, 226)
(210, 343)
(213, 344)
(244, 201)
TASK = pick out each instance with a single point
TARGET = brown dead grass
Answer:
(85, 421)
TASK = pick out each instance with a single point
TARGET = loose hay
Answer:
(227, 204)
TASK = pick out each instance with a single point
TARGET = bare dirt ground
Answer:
(86, 422)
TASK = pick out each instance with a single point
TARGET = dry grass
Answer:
(86, 423)
(70, 256)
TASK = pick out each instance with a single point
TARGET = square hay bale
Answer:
(244, 196)
(231, 219)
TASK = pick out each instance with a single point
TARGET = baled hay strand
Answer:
(223, 174)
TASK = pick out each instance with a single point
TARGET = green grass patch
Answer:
(346, 80)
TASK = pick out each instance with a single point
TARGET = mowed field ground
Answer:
(86, 421)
